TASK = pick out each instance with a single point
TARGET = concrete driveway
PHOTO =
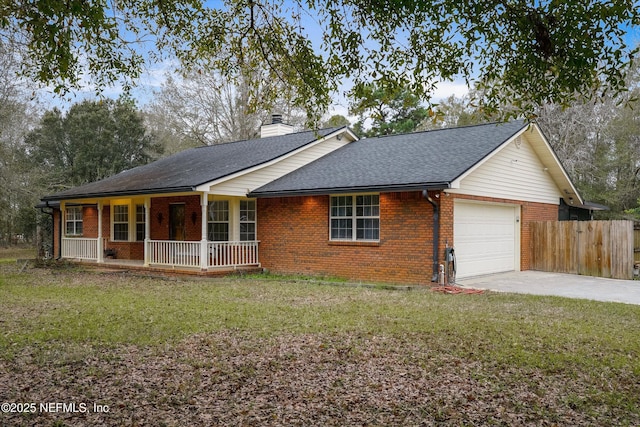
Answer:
(558, 284)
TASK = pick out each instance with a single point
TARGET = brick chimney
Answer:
(276, 127)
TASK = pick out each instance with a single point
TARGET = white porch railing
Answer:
(187, 253)
(79, 247)
(232, 254)
(175, 253)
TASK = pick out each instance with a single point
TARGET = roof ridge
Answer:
(334, 128)
(444, 129)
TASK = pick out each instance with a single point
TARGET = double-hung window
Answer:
(247, 220)
(73, 221)
(355, 217)
(218, 221)
(121, 222)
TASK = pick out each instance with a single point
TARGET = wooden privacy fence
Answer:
(591, 248)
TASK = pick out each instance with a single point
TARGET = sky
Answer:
(153, 77)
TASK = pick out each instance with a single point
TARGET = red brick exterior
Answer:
(294, 237)
(160, 217)
(294, 234)
(90, 222)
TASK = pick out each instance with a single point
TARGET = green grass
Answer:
(515, 341)
(10, 254)
(111, 309)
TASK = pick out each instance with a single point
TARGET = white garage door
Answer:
(487, 238)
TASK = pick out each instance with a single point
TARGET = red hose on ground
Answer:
(449, 289)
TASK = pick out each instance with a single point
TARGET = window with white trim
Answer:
(121, 222)
(218, 221)
(247, 220)
(355, 217)
(140, 223)
(73, 221)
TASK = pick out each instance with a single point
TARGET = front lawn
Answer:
(121, 350)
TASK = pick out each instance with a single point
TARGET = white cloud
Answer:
(445, 89)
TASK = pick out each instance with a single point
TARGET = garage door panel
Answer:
(485, 238)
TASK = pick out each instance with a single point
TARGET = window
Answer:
(121, 222)
(74, 221)
(368, 217)
(140, 223)
(247, 220)
(342, 217)
(218, 221)
(355, 217)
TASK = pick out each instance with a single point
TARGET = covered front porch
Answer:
(195, 231)
(169, 253)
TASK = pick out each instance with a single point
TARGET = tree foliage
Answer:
(454, 111)
(18, 113)
(203, 108)
(517, 52)
(390, 110)
(337, 120)
(600, 147)
(94, 140)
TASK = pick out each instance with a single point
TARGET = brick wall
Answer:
(127, 250)
(294, 236)
(193, 211)
(90, 222)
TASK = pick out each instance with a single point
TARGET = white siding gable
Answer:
(514, 172)
(248, 181)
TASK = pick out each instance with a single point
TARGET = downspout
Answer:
(436, 233)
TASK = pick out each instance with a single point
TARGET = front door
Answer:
(176, 222)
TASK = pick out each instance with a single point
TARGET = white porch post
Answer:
(100, 248)
(204, 255)
(147, 230)
(63, 227)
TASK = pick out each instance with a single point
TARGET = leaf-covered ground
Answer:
(318, 355)
(231, 378)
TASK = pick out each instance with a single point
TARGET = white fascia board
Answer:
(342, 133)
(557, 164)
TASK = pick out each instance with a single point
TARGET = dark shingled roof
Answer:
(190, 168)
(430, 159)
